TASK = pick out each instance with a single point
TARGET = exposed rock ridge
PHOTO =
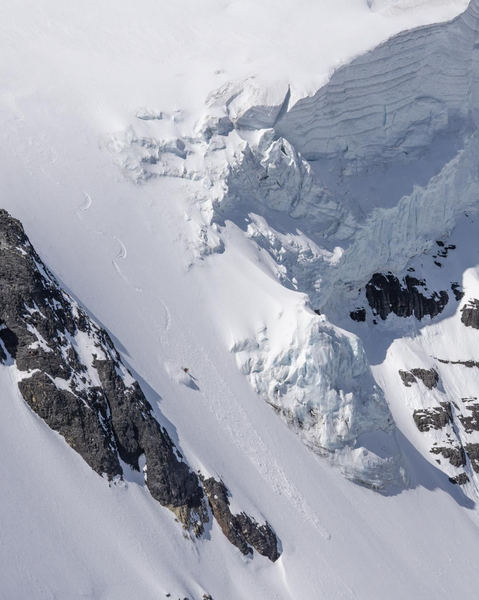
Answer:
(429, 377)
(387, 294)
(451, 425)
(73, 378)
(241, 530)
(470, 314)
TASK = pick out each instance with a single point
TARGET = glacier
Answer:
(172, 167)
(250, 151)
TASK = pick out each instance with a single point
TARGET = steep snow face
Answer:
(243, 158)
(313, 374)
(385, 111)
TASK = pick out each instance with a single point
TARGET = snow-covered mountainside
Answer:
(255, 303)
(71, 375)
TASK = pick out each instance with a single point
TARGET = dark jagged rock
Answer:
(457, 291)
(429, 377)
(460, 479)
(433, 418)
(455, 454)
(470, 314)
(169, 479)
(470, 364)
(358, 315)
(473, 454)
(471, 423)
(241, 530)
(386, 294)
(87, 431)
(62, 355)
(407, 378)
(443, 249)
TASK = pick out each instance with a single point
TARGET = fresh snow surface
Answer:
(133, 138)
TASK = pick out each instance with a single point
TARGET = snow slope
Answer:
(180, 279)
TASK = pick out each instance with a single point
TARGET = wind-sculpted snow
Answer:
(249, 105)
(392, 101)
(391, 7)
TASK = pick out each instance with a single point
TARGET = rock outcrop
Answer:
(387, 294)
(457, 291)
(241, 530)
(473, 454)
(453, 425)
(455, 455)
(429, 377)
(358, 315)
(470, 314)
(72, 376)
(432, 418)
(470, 422)
(460, 479)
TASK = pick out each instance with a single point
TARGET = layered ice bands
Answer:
(395, 99)
(391, 237)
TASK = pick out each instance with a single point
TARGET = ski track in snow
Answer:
(83, 208)
(121, 256)
(123, 251)
(233, 419)
(227, 410)
(167, 317)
